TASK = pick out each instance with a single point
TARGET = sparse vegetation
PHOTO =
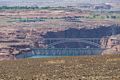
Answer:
(66, 68)
(29, 20)
(18, 7)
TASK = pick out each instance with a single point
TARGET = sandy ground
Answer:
(66, 68)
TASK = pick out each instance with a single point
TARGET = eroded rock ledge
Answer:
(20, 39)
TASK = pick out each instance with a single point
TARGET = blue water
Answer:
(29, 55)
(53, 53)
(44, 57)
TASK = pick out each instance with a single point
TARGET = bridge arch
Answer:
(83, 41)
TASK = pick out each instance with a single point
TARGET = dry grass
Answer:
(66, 68)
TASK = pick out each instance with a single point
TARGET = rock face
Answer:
(33, 37)
(6, 57)
(113, 45)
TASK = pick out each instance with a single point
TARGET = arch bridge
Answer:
(51, 42)
(51, 50)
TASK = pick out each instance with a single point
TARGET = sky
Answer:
(50, 2)
(85, 1)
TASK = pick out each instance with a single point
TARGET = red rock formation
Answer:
(113, 45)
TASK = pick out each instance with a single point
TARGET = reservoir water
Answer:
(38, 56)
(53, 53)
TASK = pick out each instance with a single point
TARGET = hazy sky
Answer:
(84, 1)
(58, 0)
(50, 2)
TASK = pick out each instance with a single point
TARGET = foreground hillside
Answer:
(67, 68)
